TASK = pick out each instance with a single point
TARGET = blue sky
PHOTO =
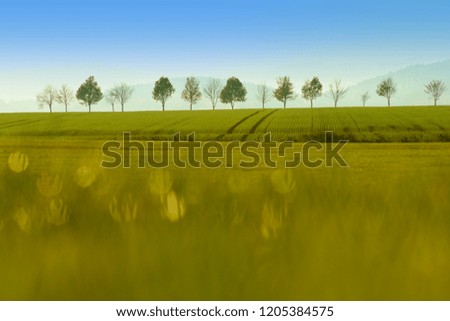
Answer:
(137, 41)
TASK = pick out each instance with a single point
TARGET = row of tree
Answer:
(89, 93)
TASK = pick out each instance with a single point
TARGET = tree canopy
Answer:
(387, 88)
(191, 92)
(163, 90)
(89, 92)
(285, 90)
(312, 89)
(233, 92)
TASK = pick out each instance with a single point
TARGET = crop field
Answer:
(378, 229)
(395, 124)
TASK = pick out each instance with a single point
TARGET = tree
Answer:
(337, 91)
(111, 98)
(387, 88)
(435, 89)
(365, 97)
(65, 96)
(123, 93)
(89, 92)
(312, 89)
(263, 94)
(212, 91)
(163, 90)
(285, 90)
(47, 97)
(233, 91)
(191, 92)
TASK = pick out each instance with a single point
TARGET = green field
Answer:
(395, 124)
(376, 230)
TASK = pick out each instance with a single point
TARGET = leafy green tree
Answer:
(191, 92)
(312, 89)
(47, 97)
(387, 88)
(123, 93)
(285, 90)
(435, 89)
(233, 91)
(89, 92)
(163, 90)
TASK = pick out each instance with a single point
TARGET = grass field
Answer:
(376, 230)
(395, 124)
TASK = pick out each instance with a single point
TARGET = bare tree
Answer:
(47, 97)
(191, 92)
(435, 89)
(65, 96)
(263, 94)
(365, 97)
(387, 88)
(111, 98)
(212, 90)
(123, 93)
(337, 91)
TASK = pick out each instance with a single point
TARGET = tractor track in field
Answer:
(259, 122)
(18, 123)
(357, 126)
(232, 128)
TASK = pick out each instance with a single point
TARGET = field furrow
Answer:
(375, 124)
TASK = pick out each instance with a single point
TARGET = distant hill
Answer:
(410, 86)
(410, 91)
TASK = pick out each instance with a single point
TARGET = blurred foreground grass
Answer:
(378, 230)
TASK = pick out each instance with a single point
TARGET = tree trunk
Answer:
(190, 107)
(66, 106)
(112, 106)
(311, 103)
(284, 103)
(263, 104)
(335, 103)
(435, 102)
(389, 102)
(232, 105)
(163, 105)
(122, 107)
(89, 107)
(50, 107)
